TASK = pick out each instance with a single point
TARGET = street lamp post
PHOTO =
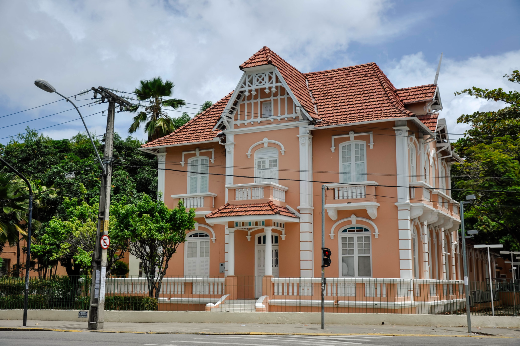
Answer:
(513, 275)
(469, 199)
(495, 246)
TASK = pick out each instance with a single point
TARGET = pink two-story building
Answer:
(253, 166)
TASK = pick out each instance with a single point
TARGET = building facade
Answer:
(254, 166)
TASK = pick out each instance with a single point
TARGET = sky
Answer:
(199, 45)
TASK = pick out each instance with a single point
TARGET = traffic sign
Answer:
(105, 241)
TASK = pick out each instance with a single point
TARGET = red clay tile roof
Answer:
(419, 93)
(429, 120)
(355, 94)
(295, 79)
(198, 129)
(268, 208)
(341, 96)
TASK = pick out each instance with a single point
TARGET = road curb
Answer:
(250, 333)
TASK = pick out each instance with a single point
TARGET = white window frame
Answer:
(198, 240)
(266, 154)
(352, 178)
(262, 113)
(342, 234)
(442, 177)
(199, 175)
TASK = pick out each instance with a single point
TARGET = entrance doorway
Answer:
(260, 260)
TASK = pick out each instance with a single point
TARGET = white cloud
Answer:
(196, 44)
(483, 72)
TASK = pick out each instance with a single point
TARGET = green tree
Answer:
(158, 123)
(68, 168)
(491, 167)
(154, 233)
(204, 106)
(71, 240)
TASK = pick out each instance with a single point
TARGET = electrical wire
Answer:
(46, 104)
(46, 116)
(65, 122)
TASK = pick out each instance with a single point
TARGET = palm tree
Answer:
(158, 123)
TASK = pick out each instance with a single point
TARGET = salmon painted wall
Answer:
(381, 160)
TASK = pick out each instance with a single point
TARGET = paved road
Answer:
(44, 338)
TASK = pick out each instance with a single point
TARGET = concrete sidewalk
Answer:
(284, 329)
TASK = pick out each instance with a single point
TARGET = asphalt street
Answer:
(44, 338)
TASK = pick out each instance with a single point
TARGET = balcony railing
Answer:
(203, 201)
(444, 202)
(420, 192)
(351, 196)
(257, 191)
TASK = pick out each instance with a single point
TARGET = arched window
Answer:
(353, 162)
(355, 259)
(196, 259)
(198, 169)
(413, 163)
(427, 168)
(266, 165)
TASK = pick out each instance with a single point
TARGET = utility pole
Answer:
(99, 260)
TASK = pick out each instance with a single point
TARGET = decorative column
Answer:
(230, 153)
(443, 252)
(305, 208)
(266, 280)
(231, 279)
(403, 201)
(426, 250)
(161, 165)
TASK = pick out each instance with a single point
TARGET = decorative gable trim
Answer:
(352, 136)
(266, 141)
(197, 152)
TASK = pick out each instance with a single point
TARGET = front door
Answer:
(260, 261)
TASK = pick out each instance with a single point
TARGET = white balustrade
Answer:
(244, 192)
(426, 194)
(196, 200)
(350, 192)
(170, 286)
(278, 194)
(193, 202)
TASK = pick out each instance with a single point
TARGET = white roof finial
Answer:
(438, 70)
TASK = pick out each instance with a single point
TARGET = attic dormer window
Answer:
(267, 109)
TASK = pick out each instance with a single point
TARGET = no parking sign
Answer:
(105, 242)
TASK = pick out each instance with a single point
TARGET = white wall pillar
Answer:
(230, 153)
(401, 157)
(305, 207)
(426, 250)
(268, 252)
(161, 165)
(443, 252)
(405, 242)
(230, 251)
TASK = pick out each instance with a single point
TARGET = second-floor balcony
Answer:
(420, 192)
(351, 196)
(256, 193)
(203, 203)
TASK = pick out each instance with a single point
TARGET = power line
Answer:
(46, 116)
(46, 104)
(65, 122)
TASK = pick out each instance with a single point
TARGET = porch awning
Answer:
(252, 212)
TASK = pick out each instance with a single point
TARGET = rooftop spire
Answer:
(438, 70)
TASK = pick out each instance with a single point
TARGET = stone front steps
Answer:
(244, 305)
